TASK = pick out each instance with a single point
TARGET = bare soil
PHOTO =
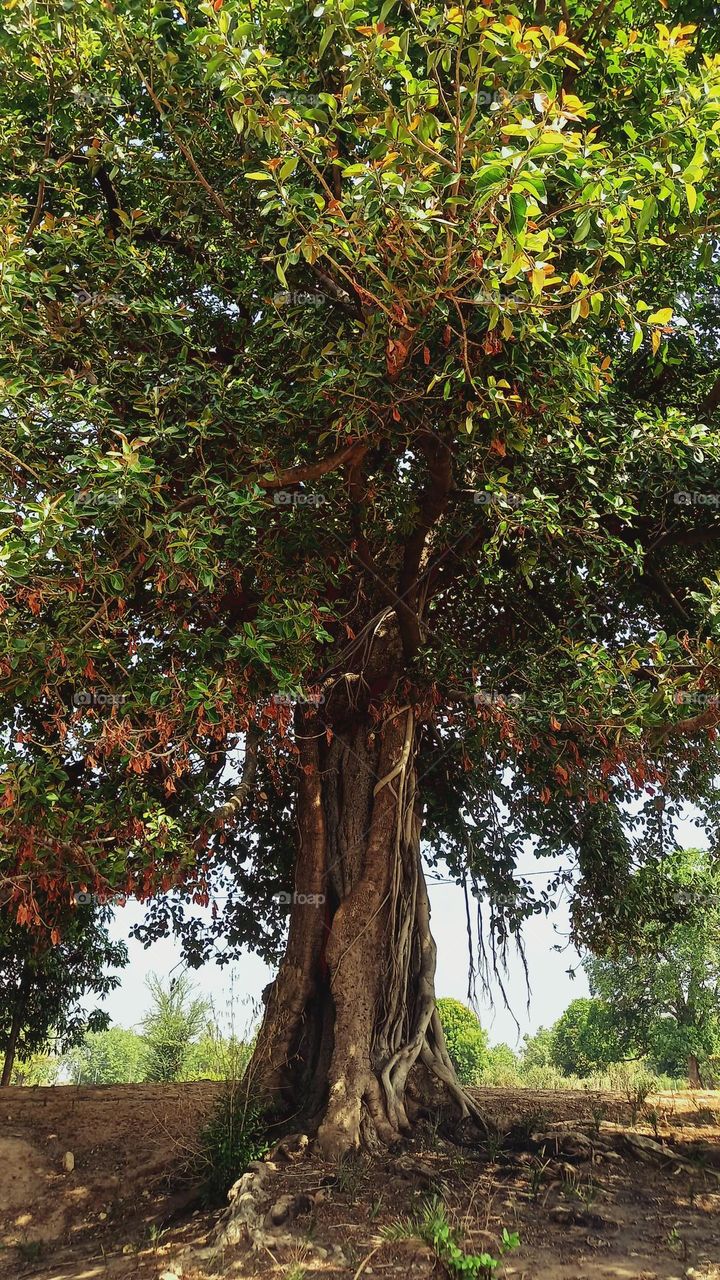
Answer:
(130, 1208)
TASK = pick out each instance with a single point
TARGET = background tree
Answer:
(662, 982)
(467, 1042)
(345, 414)
(44, 982)
(38, 1069)
(537, 1049)
(113, 1056)
(503, 1067)
(586, 1038)
(175, 1019)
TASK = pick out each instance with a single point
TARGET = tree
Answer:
(43, 984)
(38, 1069)
(175, 1019)
(502, 1067)
(585, 1038)
(663, 982)
(353, 363)
(467, 1042)
(114, 1056)
(538, 1049)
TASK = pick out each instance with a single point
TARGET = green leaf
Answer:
(326, 38)
(489, 176)
(518, 213)
(288, 167)
(646, 215)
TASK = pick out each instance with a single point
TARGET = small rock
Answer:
(68, 1162)
(171, 1275)
(102, 1216)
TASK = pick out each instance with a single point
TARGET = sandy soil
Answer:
(129, 1207)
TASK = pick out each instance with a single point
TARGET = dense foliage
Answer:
(467, 1042)
(663, 990)
(44, 982)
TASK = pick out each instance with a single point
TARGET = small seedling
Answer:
(433, 1227)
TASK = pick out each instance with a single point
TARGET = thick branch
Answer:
(314, 470)
(233, 806)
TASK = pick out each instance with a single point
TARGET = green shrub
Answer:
(233, 1136)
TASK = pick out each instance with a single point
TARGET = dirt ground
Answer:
(588, 1207)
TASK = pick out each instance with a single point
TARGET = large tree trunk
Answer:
(352, 1009)
(16, 1025)
(693, 1070)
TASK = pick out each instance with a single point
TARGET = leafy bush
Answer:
(433, 1227)
(214, 1058)
(466, 1041)
(233, 1136)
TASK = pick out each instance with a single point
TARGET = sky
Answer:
(234, 989)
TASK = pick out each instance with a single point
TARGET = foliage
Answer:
(38, 1069)
(233, 1136)
(444, 283)
(432, 1226)
(662, 983)
(466, 1041)
(537, 1050)
(502, 1068)
(214, 1058)
(113, 1056)
(585, 1038)
(43, 985)
(175, 1019)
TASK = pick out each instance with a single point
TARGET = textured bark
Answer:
(16, 1026)
(693, 1070)
(352, 1009)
